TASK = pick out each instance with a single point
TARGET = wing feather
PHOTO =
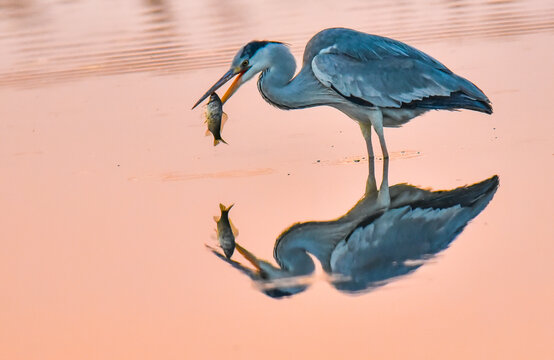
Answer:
(397, 236)
(381, 71)
(385, 83)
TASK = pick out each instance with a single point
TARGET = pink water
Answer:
(108, 185)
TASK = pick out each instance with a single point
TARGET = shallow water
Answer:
(109, 186)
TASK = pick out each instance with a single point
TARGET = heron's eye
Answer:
(245, 63)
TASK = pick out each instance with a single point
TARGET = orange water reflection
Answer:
(103, 257)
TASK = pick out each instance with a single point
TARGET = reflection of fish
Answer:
(215, 117)
(225, 233)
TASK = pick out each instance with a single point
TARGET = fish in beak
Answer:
(234, 85)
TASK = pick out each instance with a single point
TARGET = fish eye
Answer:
(245, 63)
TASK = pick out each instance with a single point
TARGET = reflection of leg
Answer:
(366, 132)
(384, 197)
(371, 184)
(376, 118)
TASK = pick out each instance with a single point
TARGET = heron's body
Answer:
(376, 81)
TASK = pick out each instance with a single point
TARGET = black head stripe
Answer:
(252, 47)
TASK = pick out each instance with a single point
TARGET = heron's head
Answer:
(254, 57)
(271, 280)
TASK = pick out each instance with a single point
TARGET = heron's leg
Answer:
(366, 132)
(384, 196)
(376, 118)
(371, 184)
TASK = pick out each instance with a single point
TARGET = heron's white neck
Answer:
(276, 82)
(297, 262)
(318, 238)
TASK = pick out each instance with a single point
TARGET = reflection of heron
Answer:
(376, 81)
(380, 238)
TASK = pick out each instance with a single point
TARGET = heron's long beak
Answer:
(249, 256)
(234, 86)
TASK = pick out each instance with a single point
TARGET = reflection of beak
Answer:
(234, 86)
(249, 256)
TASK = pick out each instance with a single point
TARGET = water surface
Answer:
(109, 186)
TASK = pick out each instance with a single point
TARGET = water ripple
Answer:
(43, 46)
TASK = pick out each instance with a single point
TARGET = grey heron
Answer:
(377, 81)
(379, 239)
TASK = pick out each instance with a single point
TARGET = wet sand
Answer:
(109, 186)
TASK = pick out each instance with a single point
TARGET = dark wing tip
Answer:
(489, 108)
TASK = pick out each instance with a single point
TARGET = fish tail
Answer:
(218, 140)
(223, 208)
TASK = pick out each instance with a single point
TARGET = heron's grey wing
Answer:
(363, 47)
(396, 244)
(422, 224)
(387, 82)
(403, 233)
(382, 71)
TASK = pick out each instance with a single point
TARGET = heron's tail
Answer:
(456, 100)
(471, 97)
(464, 101)
(478, 194)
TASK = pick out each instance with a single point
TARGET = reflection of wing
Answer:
(401, 239)
(398, 235)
